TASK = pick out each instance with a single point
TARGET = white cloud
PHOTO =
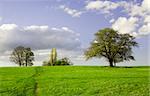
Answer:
(147, 19)
(137, 10)
(112, 20)
(8, 27)
(138, 19)
(35, 27)
(146, 5)
(104, 6)
(132, 8)
(140, 11)
(132, 26)
(70, 11)
(125, 25)
(38, 37)
(145, 29)
(94, 5)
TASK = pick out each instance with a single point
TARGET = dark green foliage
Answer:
(113, 46)
(22, 56)
(60, 62)
(29, 57)
(63, 62)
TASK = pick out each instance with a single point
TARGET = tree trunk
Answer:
(111, 63)
(20, 63)
(26, 62)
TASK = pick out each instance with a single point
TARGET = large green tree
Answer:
(113, 46)
(22, 56)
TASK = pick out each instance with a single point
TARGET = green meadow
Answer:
(74, 81)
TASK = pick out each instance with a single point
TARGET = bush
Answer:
(62, 62)
(46, 63)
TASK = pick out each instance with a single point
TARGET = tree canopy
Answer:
(113, 46)
(22, 56)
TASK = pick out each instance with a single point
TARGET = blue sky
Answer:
(69, 25)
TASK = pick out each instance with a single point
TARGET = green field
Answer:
(74, 81)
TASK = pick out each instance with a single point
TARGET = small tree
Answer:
(22, 56)
(113, 46)
(17, 56)
(29, 56)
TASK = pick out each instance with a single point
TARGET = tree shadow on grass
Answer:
(126, 67)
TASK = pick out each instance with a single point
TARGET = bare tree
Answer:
(22, 56)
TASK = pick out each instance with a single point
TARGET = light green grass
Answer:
(74, 81)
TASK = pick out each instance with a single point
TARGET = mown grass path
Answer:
(38, 71)
(24, 86)
(74, 81)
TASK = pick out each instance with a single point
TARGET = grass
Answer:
(74, 81)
